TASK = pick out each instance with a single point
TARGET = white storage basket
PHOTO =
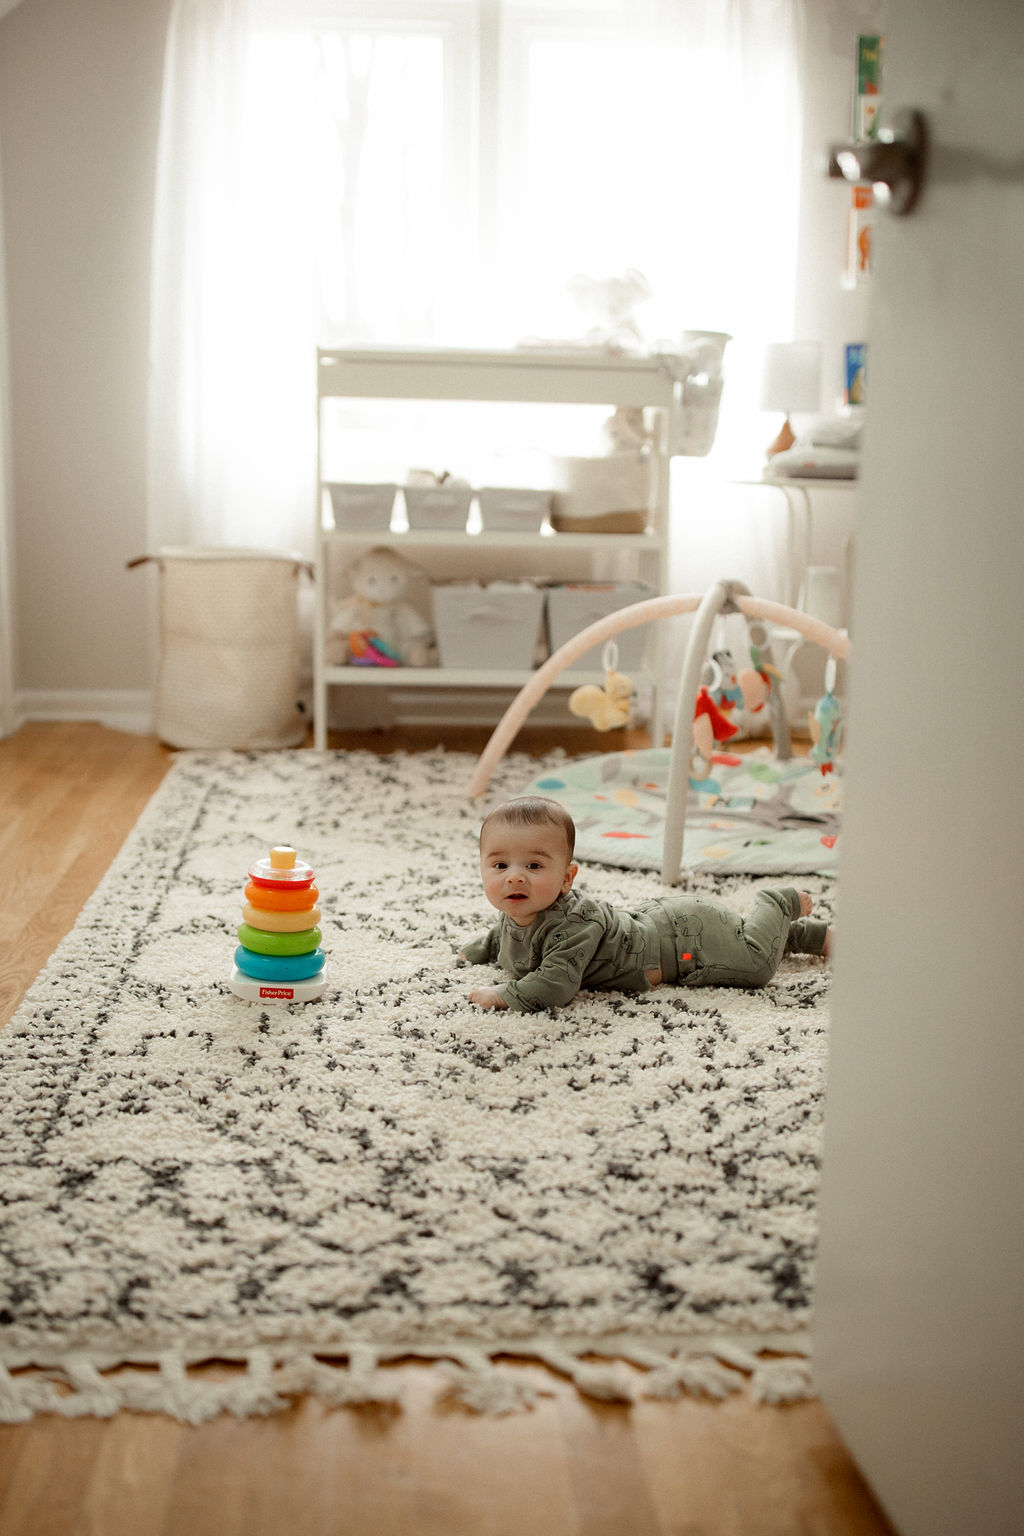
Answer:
(509, 510)
(229, 648)
(362, 506)
(438, 506)
(612, 493)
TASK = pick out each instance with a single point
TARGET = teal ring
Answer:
(279, 967)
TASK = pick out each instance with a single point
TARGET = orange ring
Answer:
(281, 898)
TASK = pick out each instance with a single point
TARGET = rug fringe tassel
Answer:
(195, 1399)
(478, 1384)
(359, 1382)
(271, 1381)
(600, 1379)
(91, 1394)
(698, 1373)
(21, 1398)
(787, 1380)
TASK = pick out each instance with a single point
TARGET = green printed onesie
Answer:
(579, 943)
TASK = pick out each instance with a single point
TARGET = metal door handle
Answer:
(894, 162)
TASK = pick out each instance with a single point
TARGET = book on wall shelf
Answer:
(855, 374)
(868, 91)
(860, 238)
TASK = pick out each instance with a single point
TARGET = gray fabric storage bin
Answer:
(497, 626)
(573, 605)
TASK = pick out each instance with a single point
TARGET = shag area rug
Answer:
(753, 812)
(624, 1189)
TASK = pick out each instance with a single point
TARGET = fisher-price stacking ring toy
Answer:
(279, 958)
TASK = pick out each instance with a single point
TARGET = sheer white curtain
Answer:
(409, 171)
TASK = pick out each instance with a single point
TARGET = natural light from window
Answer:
(412, 172)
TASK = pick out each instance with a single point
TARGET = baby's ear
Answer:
(571, 871)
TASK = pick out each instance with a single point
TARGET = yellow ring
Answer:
(280, 922)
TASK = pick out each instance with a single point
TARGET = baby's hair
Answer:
(534, 811)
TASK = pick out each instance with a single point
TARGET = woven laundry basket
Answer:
(229, 647)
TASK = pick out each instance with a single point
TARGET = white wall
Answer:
(8, 715)
(825, 308)
(79, 104)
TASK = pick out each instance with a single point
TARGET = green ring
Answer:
(263, 943)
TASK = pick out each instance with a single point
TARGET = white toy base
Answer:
(251, 989)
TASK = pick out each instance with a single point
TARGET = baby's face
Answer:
(524, 869)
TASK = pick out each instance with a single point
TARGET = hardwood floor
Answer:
(69, 794)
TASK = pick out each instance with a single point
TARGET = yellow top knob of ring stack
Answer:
(282, 857)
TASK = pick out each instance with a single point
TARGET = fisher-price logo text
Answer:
(277, 991)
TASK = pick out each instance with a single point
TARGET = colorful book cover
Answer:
(869, 86)
(855, 375)
(862, 230)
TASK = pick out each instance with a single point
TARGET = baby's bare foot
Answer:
(805, 904)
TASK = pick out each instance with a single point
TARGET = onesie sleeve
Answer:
(559, 975)
(483, 950)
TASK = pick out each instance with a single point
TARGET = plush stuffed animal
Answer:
(607, 707)
(374, 626)
(826, 731)
(625, 430)
(610, 304)
(826, 723)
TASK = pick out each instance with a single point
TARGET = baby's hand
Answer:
(487, 997)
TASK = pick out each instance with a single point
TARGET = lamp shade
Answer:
(791, 380)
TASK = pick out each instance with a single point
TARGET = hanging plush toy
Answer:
(710, 724)
(755, 680)
(607, 707)
(826, 723)
(714, 725)
(724, 685)
(747, 689)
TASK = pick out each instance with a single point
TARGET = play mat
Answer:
(753, 812)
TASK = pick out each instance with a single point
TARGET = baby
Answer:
(552, 942)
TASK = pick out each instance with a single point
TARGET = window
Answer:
(437, 171)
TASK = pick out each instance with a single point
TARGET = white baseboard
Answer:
(120, 709)
(132, 711)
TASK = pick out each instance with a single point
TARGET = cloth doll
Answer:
(374, 625)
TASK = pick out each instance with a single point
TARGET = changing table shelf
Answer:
(449, 677)
(573, 376)
(523, 375)
(646, 543)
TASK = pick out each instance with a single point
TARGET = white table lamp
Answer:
(791, 381)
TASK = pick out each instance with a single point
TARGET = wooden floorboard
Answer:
(69, 795)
